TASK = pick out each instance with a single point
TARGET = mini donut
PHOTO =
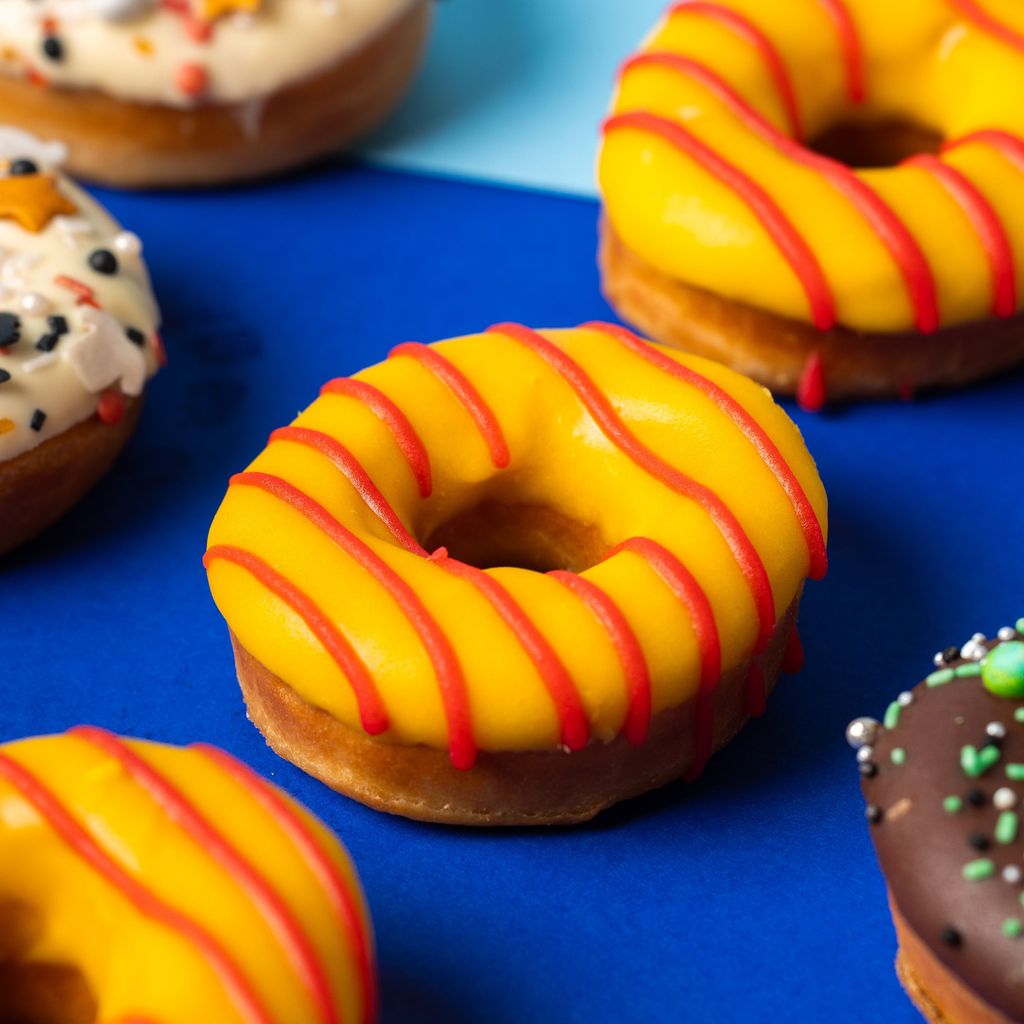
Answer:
(78, 340)
(827, 195)
(144, 882)
(196, 92)
(943, 777)
(516, 577)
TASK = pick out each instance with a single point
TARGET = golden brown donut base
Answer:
(530, 788)
(40, 485)
(134, 145)
(774, 349)
(935, 990)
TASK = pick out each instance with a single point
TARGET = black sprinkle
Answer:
(951, 654)
(4, 376)
(951, 937)
(47, 342)
(10, 329)
(23, 166)
(53, 48)
(978, 841)
(976, 798)
(57, 324)
(868, 769)
(103, 261)
(135, 336)
(873, 813)
(37, 421)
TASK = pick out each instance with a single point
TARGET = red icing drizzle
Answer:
(853, 51)
(986, 224)
(892, 232)
(147, 903)
(372, 713)
(793, 658)
(84, 295)
(447, 669)
(691, 596)
(394, 419)
(977, 14)
(748, 426)
(353, 471)
(574, 727)
(790, 243)
(339, 894)
(744, 28)
(811, 391)
(462, 388)
(605, 416)
(297, 946)
(627, 649)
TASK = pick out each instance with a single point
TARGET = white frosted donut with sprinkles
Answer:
(78, 339)
(178, 92)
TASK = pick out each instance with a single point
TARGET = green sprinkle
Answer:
(1003, 670)
(978, 870)
(1019, 715)
(898, 755)
(892, 715)
(1012, 927)
(972, 668)
(1006, 827)
(944, 675)
(1020, 626)
(952, 804)
(976, 762)
(1015, 772)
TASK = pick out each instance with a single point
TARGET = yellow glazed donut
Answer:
(142, 883)
(516, 577)
(833, 188)
(189, 92)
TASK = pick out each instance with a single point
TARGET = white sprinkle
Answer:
(938, 660)
(1012, 874)
(1004, 798)
(1006, 633)
(905, 699)
(864, 754)
(979, 638)
(40, 362)
(129, 243)
(996, 729)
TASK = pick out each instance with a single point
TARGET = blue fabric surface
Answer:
(752, 895)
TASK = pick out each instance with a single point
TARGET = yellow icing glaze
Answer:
(559, 459)
(923, 62)
(137, 968)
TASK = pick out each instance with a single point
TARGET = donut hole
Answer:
(493, 534)
(873, 144)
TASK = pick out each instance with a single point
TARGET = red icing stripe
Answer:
(1011, 146)
(147, 903)
(450, 678)
(977, 14)
(793, 658)
(627, 649)
(394, 419)
(339, 894)
(748, 31)
(575, 729)
(605, 416)
(850, 42)
(891, 231)
(691, 596)
(372, 713)
(462, 388)
(288, 933)
(790, 243)
(985, 221)
(748, 426)
(353, 471)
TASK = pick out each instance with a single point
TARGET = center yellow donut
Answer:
(467, 583)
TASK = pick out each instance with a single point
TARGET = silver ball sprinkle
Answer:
(1006, 633)
(861, 732)
(865, 754)
(905, 699)
(938, 661)
(979, 638)
(973, 650)
(1004, 798)
(996, 730)
(1012, 874)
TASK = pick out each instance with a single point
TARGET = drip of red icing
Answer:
(627, 649)
(987, 225)
(372, 713)
(463, 389)
(756, 698)
(408, 441)
(853, 51)
(289, 935)
(892, 232)
(147, 903)
(572, 717)
(448, 671)
(790, 243)
(793, 658)
(612, 426)
(356, 475)
(111, 407)
(811, 392)
(159, 351)
(748, 31)
(339, 894)
(691, 596)
(748, 426)
(974, 12)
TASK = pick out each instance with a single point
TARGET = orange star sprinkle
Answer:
(6, 425)
(211, 9)
(33, 200)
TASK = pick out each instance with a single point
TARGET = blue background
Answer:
(751, 895)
